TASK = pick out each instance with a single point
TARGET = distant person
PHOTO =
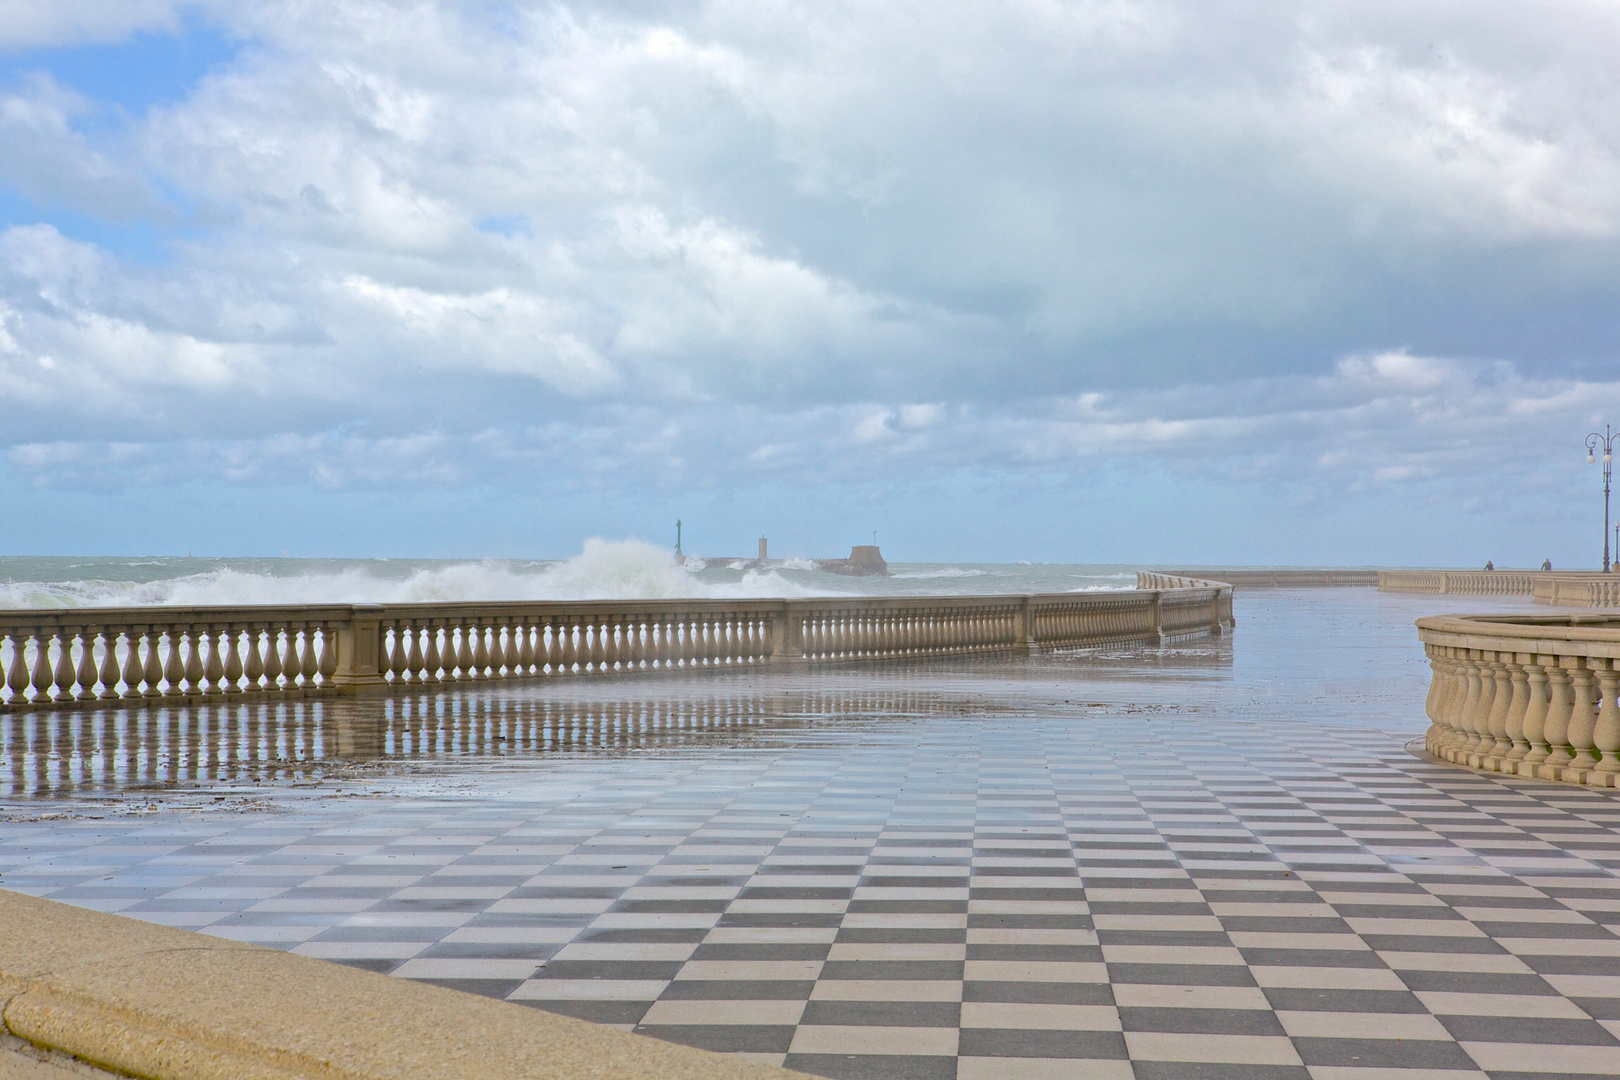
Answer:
(1489, 565)
(1546, 564)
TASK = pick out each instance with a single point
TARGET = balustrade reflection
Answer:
(105, 751)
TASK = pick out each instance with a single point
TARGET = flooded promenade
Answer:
(1215, 858)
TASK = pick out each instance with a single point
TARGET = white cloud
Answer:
(786, 240)
(28, 24)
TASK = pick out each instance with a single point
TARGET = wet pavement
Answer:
(1216, 858)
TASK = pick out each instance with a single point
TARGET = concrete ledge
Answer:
(165, 1004)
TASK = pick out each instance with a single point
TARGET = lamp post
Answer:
(1605, 440)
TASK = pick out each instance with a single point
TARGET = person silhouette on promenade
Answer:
(1546, 564)
(1490, 565)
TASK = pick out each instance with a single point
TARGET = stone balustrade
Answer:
(78, 656)
(1461, 582)
(1530, 695)
(1293, 578)
(1563, 588)
(1578, 590)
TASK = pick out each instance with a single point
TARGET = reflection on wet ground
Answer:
(1336, 656)
(98, 752)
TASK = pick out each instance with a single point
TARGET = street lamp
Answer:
(1605, 440)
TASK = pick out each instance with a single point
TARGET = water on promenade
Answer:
(1215, 858)
(1327, 656)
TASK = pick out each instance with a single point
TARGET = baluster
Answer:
(84, 675)
(254, 667)
(502, 650)
(326, 661)
(547, 648)
(275, 654)
(688, 642)
(174, 671)
(190, 662)
(654, 652)
(1470, 710)
(134, 664)
(390, 648)
(392, 638)
(210, 668)
(598, 650)
(1501, 697)
(291, 665)
(480, 650)
(10, 661)
(43, 676)
(1556, 729)
(1518, 703)
(413, 655)
(1606, 733)
(229, 645)
(1582, 720)
(66, 672)
(1432, 700)
(452, 652)
(631, 650)
(526, 657)
(462, 651)
(1455, 697)
(564, 648)
(308, 661)
(109, 665)
(1535, 714)
(431, 661)
(450, 660)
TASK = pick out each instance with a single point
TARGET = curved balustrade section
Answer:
(82, 657)
(1529, 695)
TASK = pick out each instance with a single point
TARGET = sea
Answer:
(602, 570)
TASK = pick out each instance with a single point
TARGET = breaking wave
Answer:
(604, 570)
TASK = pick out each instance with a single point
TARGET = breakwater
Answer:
(79, 656)
(1284, 578)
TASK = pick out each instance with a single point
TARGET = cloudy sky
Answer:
(1093, 281)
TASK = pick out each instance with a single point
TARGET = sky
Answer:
(1115, 281)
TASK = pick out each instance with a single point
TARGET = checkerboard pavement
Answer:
(1044, 896)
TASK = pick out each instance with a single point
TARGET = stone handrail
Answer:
(1530, 695)
(85, 655)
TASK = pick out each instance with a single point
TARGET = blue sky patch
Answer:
(131, 76)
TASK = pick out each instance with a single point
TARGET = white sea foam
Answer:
(604, 569)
